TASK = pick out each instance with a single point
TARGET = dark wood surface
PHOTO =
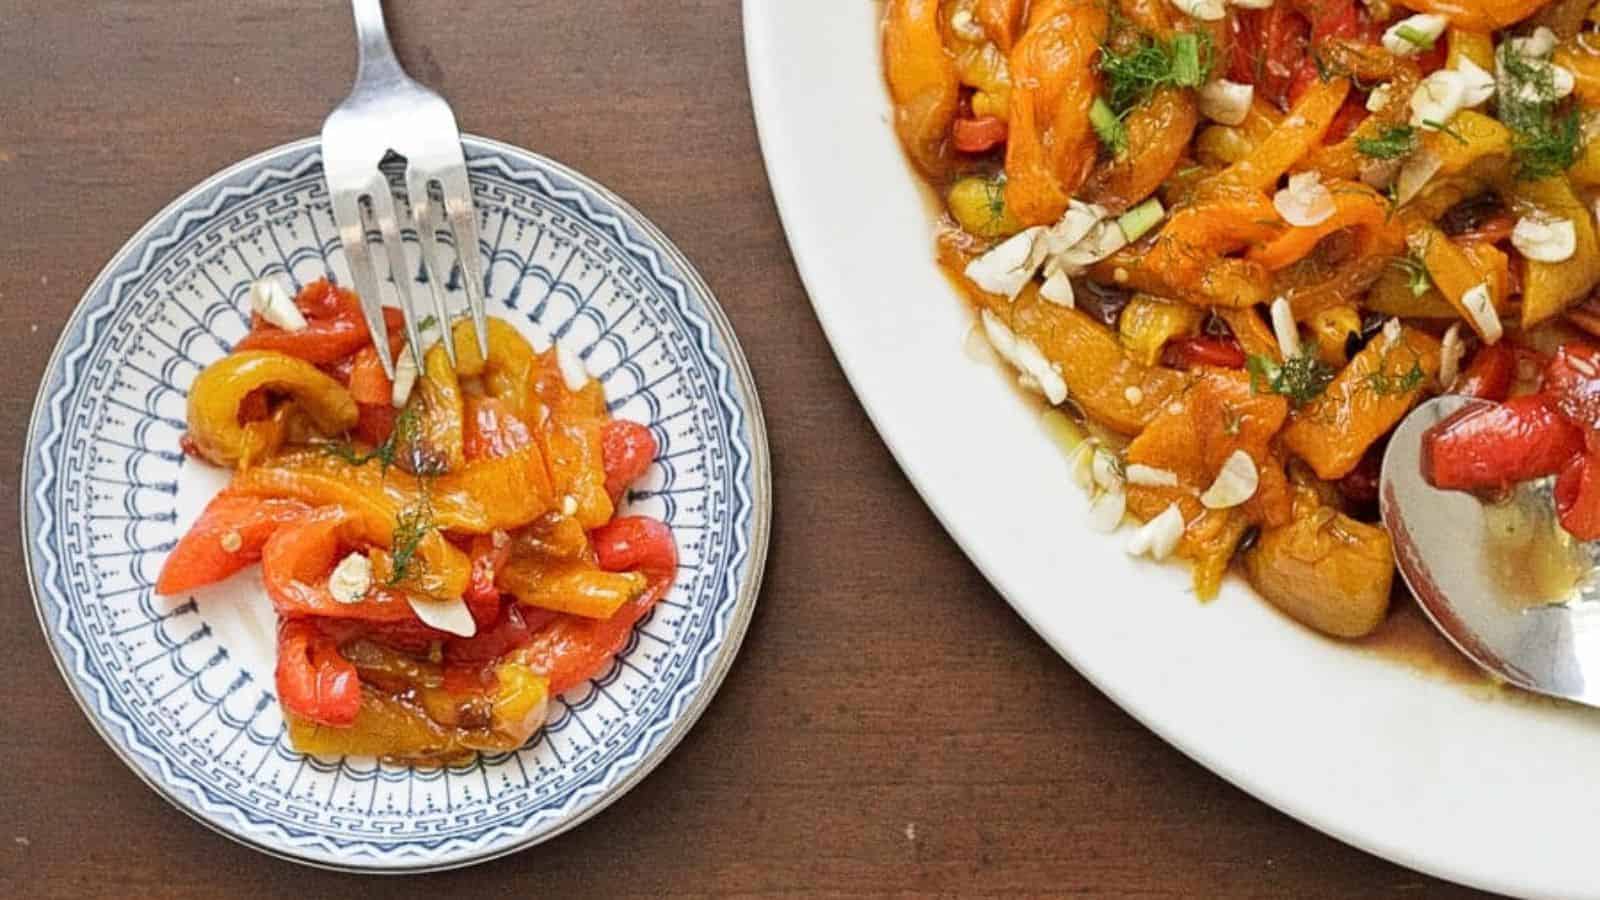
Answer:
(891, 725)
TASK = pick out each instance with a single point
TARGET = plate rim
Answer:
(738, 622)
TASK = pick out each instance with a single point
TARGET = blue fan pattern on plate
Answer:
(188, 704)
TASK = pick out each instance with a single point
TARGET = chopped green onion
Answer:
(1139, 220)
(1414, 37)
(1186, 68)
(1107, 126)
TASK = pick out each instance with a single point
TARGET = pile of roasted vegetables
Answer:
(441, 549)
(1236, 241)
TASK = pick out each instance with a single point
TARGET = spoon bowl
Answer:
(1501, 580)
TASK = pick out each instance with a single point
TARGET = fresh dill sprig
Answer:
(1301, 378)
(1416, 274)
(1442, 128)
(1132, 75)
(410, 527)
(407, 425)
(1544, 141)
(1393, 142)
(1385, 384)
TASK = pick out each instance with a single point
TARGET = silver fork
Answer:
(388, 111)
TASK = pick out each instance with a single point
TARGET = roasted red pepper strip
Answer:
(1578, 497)
(227, 537)
(1269, 50)
(1490, 373)
(1572, 380)
(1186, 353)
(314, 680)
(574, 649)
(1499, 445)
(489, 554)
(626, 451)
(978, 135)
(334, 326)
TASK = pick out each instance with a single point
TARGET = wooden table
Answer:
(890, 726)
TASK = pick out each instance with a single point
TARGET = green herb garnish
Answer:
(1130, 76)
(1414, 37)
(1416, 274)
(1393, 142)
(1385, 384)
(1442, 128)
(1107, 126)
(1232, 421)
(407, 425)
(410, 527)
(1544, 140)
(1300, 378)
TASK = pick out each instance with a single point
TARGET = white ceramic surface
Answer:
(1492, 791)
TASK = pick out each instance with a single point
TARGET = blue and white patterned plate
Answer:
(182, 688)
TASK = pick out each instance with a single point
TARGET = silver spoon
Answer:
(1515, 593)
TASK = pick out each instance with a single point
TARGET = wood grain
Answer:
(891, 727)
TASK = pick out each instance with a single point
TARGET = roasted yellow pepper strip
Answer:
(221, 388)
(483, 496)
(922, 81)
(1363, 402)
(1550, 287)
(1297, 135)
(1324, 569)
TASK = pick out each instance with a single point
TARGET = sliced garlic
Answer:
(1006, 269)
(1073, 226)
(1158, 537)
(1379, 97)
(1414, 34)
(1448, 91)
(1107, 473)
(1392, 331)
(405, 367)
(231, 540)
(1133, 395)
(1419, 169)
(271, 301)
(1226, 101)
(351, 578)
(1478, 84)
(1104, 239)
(1480, 306)
(1545, 238)
(571, 366)
(1057, 288)
(1083, 465)
(1107, 510)
(1026, 356)
(1285, 329)
(1235, 484)
(1150, 476)
(1451, 349)
(1538, 45)
(405, 378)
(1305, 202)
(1204, 10)
(451, 616)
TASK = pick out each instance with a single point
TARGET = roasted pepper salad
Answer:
(443, 549)
(1231, 243)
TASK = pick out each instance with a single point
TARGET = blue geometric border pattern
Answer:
(181, 688)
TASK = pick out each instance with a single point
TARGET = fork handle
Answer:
(376, 59)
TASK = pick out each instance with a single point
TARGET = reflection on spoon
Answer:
(1501, 580)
